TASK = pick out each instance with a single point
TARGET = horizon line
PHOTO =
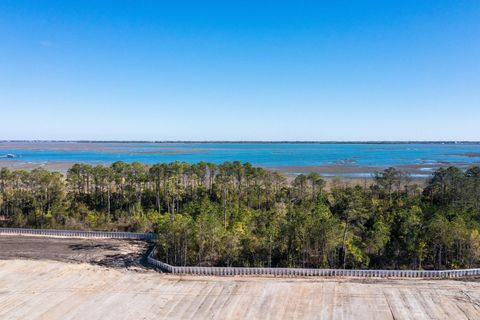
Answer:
(248, 141)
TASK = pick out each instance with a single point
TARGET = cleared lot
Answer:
(31, 289)
(104, 252)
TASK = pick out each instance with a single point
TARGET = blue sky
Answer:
(240, 70)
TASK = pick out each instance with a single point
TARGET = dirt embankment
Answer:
(113, 253)
(57, 290)
(99, 282)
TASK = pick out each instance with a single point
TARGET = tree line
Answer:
(235, 214)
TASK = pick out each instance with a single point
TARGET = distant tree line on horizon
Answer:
(235, 214)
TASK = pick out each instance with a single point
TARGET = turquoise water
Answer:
(262, 154)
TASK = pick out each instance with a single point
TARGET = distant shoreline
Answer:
(242, 142)
(330, 160)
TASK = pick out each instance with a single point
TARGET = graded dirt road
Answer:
(45, 289)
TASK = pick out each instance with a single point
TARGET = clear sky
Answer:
(240, 70)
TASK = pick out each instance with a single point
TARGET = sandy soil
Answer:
(100, 289)
(57, 290)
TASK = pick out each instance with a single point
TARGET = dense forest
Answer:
(235, 214)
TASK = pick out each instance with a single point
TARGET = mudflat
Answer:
(357, 160)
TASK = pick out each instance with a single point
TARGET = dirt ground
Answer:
(104, 252)
(57, 290)
(95, 287)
